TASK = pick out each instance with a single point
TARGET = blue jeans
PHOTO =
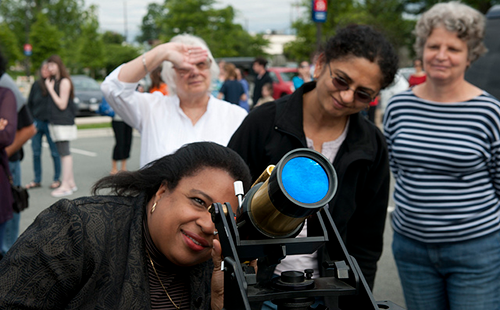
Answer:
(461, 275)
(42, 128)
(11, 228)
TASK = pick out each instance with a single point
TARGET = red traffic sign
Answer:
(319, 6)
(319, 11)
(28, 49)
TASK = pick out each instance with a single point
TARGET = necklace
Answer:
(157, 276)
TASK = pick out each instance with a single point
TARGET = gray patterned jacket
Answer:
(86, 253)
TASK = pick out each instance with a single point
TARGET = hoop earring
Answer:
(153, 208)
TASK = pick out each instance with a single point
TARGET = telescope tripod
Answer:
(343, 288)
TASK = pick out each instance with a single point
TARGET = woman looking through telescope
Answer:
(324, 115)
(149, 245)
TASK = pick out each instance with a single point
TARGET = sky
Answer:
(255, 15)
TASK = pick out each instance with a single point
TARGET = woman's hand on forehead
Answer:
(187, 56)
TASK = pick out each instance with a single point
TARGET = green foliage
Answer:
(420, 6)
(116, 54)
(9, 46)
(91, 52)
(150, 28)
(198, 17)
(66, 15)
(46, 41)
(111, 37)
(385, 16)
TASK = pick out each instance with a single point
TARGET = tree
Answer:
(111, 37)
(150, 28)
(65, 15)
(198, 17)
(91, 51)
(419, 6)
(385, 16)
(45, 39)
(116, 54)
(9, 46)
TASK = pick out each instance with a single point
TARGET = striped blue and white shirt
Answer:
(445, 158)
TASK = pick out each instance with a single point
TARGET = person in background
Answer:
(419, 76)
(244, 83)
(262, 77)
(157, 83)
(221, 77)
(372, 109)
(444, 145)
(188, 114)
(62, 115)
(324, 115)
(123, 141)
(304, 75)
(152, 231)
(232, 91)
(25, 131)
(267, 94)
(39, 104)
(8, 126)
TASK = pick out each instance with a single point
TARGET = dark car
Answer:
(88, 94)
(282, 80)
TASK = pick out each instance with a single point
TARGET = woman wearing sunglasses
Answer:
(188, 114)
(324, 115)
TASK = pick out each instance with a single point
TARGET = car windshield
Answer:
(287, 76)
(85, 84)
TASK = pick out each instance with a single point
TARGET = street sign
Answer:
(28, 49)
(319, 11)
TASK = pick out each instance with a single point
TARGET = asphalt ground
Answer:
(92, 153)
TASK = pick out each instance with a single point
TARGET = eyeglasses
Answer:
(201, 66)
(343, 85)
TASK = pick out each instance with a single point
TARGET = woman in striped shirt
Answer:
(444, 146)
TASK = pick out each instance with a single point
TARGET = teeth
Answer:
(195, 242)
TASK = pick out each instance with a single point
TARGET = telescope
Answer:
(268, 218)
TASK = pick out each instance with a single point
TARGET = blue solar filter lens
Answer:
(305, 180)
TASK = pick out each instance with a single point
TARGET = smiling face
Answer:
(181, 227)
(359, 73)
(445, 56)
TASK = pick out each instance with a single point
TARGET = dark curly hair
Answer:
(364, 41)
(170, 169)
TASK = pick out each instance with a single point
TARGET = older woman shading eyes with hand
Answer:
(188, 114)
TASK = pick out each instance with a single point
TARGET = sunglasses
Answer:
(201, 66)
(342, 85)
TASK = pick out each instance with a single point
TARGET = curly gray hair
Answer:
(168, 72)
(468, 23)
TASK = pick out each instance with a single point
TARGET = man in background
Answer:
(262, 77)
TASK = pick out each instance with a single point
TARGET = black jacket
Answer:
(359, 207)
(87, 253)
(39, 105)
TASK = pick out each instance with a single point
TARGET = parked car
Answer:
(282, 80)
(88, 94)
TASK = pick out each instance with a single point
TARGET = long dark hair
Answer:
(170, 169)
(62, 71)
(156, 79)
(364, 41)
(41, 79)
